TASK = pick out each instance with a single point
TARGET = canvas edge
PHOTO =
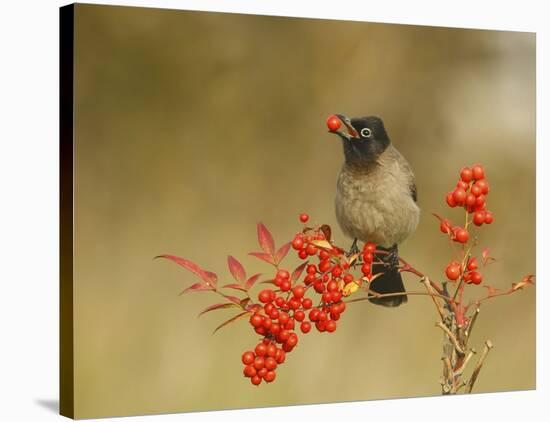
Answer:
(66, 149)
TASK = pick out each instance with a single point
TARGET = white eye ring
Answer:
(366, 132)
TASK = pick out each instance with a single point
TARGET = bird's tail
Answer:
(390, 281)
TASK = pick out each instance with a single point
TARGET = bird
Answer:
(376, 198)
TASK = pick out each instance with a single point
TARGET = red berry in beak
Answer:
(333, 123)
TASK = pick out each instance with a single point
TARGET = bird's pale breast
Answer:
(375, 204)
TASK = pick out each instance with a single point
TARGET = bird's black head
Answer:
(364, 138)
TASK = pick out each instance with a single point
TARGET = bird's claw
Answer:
(354, 249)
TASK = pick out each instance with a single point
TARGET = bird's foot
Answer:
(393, 257)
(354, 249)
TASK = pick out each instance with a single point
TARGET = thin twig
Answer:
(486, 350)
(471, 326)
(451, 337)
(429, 287)
(373, 295)
(460, 370)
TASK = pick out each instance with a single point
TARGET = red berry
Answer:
(450, 200)
(302, 254)
(330, 326)
(285, 286)
(470, 200)
(489, 218)
(324, 265)
(472, 264)
(305, 327)
(483, 185)
(304, 218)
(256, 380)
(320, 325)
(311, 269)
(459, 196)
(307, 303)
(479, 218)
(299, 316)
(270, 376)
(314, 314)
(298, 243)
(319, 286)
(260, 330)
(270, 364)
(283, 318)
(462, 185)
(366, 269)
(265, 296)
(298, 292)
(256, 320)
(262, 372)
(333, 123)
(475, 277)
(292, 340)
(368, 257)
(275, 329)
(261, 349)
(369, 247)
(248, 357)
(280, 357)
(348, 278)
(466, 174)
(452, 271)
(476, 190)
(332, 286)
(337, 271)
(478, 172)
(311, 249)
(445, 226)
(271, 350)
(259, 362)
(284, 274)
(335, 296)
(249, 371)
(294, 303)
(284, 335)
(326, 296)
(462, 235)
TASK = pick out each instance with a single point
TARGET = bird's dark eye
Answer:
(366, 132)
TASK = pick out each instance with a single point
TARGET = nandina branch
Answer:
(475, 374)
(451, 336)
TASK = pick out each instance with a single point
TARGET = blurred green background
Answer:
(193, 126)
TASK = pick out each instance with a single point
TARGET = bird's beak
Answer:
(346, 130)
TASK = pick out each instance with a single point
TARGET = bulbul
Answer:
(376, 198)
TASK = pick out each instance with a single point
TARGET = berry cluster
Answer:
(470, 193)
(287, 308)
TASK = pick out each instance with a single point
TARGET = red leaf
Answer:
(207, 276)
(236, 268)
(229, 321)
(197, 287)
(327, 231)
(297, 272)
(486, 258)
(233, 299)
(250, 282)
(265, 239)
(263, 256)
(218, 306)
(235, 286)
(281, 252)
